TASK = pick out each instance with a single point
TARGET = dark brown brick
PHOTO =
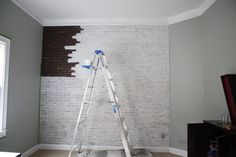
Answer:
(54, 56)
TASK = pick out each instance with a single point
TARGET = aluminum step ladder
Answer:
(100, 59)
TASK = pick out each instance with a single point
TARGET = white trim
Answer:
(30, 151)
(54, 147)
(192, 13)
(172, 150)
(184, 16)
(177, 151)
(67, 147)
(22, 7)
(3, 133)
(206, 5)
(102, 21)
(3, 111)
(9, 154)
(158, 149)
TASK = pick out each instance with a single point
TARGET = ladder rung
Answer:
(110, 79)
(90, 86)
(87, 102)
(116, 106)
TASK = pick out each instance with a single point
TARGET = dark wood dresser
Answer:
(200, 136)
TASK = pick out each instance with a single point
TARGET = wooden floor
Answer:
(60, 153)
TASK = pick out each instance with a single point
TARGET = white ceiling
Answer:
(73, 12)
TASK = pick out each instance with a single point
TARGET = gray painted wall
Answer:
(186, 79)
(201, 50)
(24, 77)
(219, 42)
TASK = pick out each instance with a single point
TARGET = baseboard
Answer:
(177, 151)
(158, 149)
(54, 147)
(30, 151)
(67, 147)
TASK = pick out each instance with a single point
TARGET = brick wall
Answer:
(138, 57)
(54, 56)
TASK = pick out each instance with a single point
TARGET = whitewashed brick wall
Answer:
(138, 57)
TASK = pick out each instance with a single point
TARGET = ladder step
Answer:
(83, 121)
(116, 106)
(90, 86)
(124, 125)
(126, 133)
(130, 147)
(122, 119)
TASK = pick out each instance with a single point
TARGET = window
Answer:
(4, 66)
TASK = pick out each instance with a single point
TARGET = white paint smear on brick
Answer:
(138, 58)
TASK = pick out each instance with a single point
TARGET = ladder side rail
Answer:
(104, 62)
(89, 99)
(103, 58)
(93, 82)
(91, 75)
(111, 93)
(94, 67)
(107, 72)
(117, 113)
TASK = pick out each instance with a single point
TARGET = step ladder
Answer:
(100, 59)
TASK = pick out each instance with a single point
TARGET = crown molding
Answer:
(206, 5)
(192, 13)
(121, 21)
(184, 16)
(22, 7)
(102, 21)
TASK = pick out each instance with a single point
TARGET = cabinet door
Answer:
(233, 145)
(226, 146)
(197, 140)
(199, 137)
(223, 146)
